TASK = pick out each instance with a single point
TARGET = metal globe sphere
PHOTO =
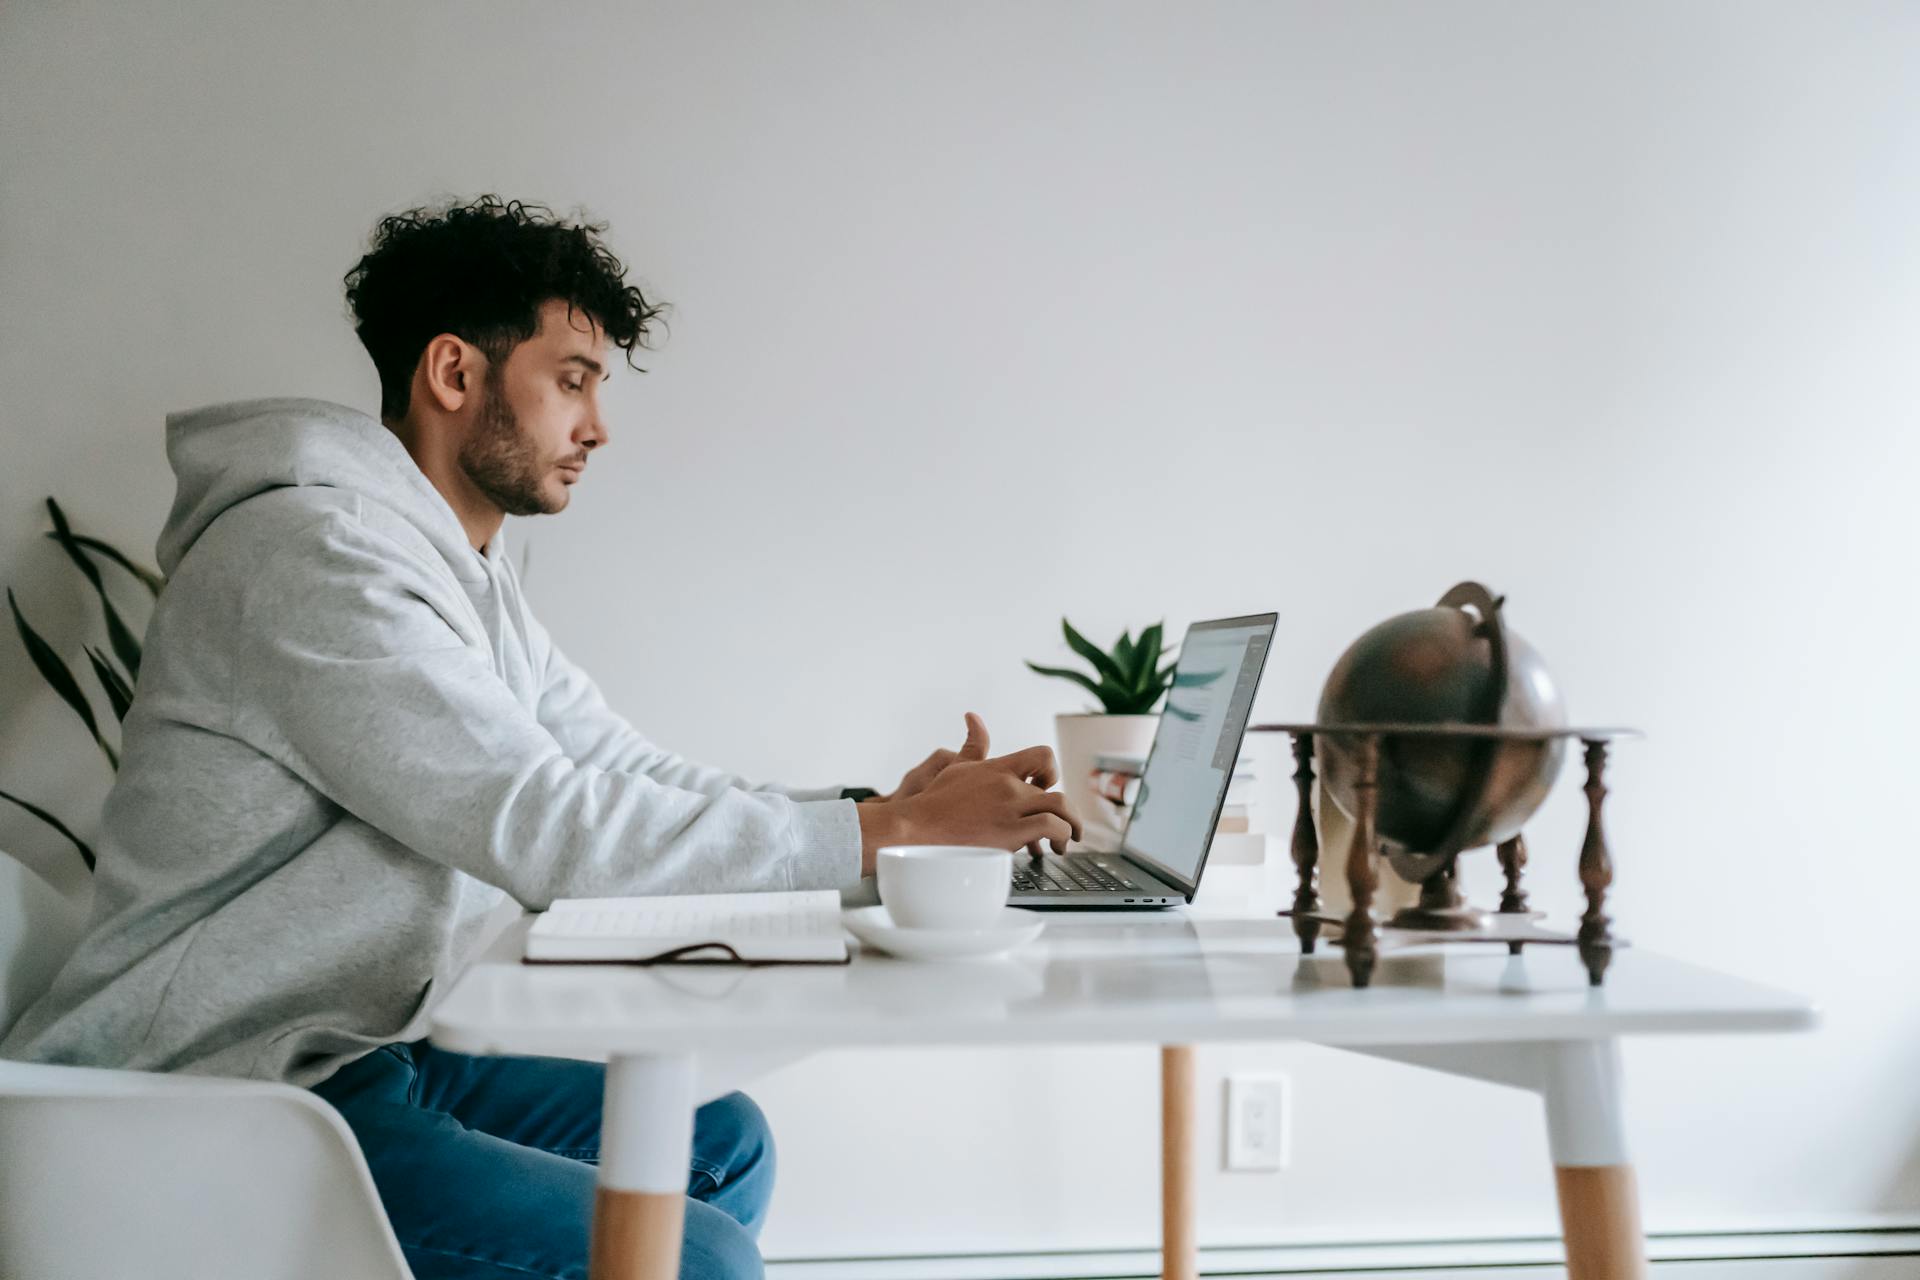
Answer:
(1455, 663)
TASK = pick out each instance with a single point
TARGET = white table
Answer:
(675, 1037)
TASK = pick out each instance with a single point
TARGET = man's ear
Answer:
(450, 371)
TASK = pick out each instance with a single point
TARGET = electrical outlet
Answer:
(1257, 1123)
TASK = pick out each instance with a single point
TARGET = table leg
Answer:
(1599, 1203)
(1179, 1251)
(1579, 1083)
(646, 1142)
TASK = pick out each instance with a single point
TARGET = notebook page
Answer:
(791, 925)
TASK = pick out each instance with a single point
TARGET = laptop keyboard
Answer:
(1066, 875)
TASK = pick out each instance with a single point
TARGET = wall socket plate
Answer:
(1258, 1125)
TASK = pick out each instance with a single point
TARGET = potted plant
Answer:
(1129, 682)
(116, 668)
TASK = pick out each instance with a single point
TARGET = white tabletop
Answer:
(1114, 977)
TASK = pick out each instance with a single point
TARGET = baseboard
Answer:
(1506, 1258)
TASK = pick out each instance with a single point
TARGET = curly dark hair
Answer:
(481, 270)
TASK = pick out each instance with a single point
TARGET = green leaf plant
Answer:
(1127, 680)
(116, 671)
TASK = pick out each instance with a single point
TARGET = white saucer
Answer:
(874, 927)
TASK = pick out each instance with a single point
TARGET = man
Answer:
(352, 741)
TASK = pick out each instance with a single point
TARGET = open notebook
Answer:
(786, 927)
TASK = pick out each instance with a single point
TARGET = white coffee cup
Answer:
(943, 886)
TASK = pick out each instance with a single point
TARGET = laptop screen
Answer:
(1185, 780)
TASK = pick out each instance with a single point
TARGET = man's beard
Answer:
(501, 463)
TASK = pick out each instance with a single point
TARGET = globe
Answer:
(1456, 663)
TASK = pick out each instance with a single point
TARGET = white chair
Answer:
(129, 1173)
(171, 1177)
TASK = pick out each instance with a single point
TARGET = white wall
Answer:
(988, 313)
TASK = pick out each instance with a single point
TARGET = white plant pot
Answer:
(1081, 737)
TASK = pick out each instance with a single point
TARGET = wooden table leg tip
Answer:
(636, 1235)
(1600, 1223)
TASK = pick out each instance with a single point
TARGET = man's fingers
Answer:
(1055, 803)
(1048, 827)
(975, 747)
(1035, 764)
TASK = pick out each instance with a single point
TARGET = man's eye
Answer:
(574, 386)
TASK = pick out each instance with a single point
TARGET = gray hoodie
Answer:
(351, 742)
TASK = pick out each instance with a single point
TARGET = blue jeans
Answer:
(486, 1166)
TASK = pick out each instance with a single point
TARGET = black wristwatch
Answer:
(857, 793)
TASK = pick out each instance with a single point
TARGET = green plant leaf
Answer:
(119, 695)
(1142, 699)
(1109, 673)
(1123, 656)
(1148, 655)
(86, 854)
(55, 672)
(126, 646)
(1077, 677)
(148, 578)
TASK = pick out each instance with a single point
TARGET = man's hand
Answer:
(997, 803)
(974, 748)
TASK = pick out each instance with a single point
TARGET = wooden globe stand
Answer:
(1442, 914)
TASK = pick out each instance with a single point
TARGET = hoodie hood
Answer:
(224, 454)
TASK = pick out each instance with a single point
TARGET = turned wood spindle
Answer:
(1596, 869)
(1306, 847)
(1359, 938)
(1513, 861)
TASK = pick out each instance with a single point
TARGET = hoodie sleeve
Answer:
(352, 671)
(591, 732)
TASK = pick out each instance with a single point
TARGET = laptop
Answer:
(1182, 789)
